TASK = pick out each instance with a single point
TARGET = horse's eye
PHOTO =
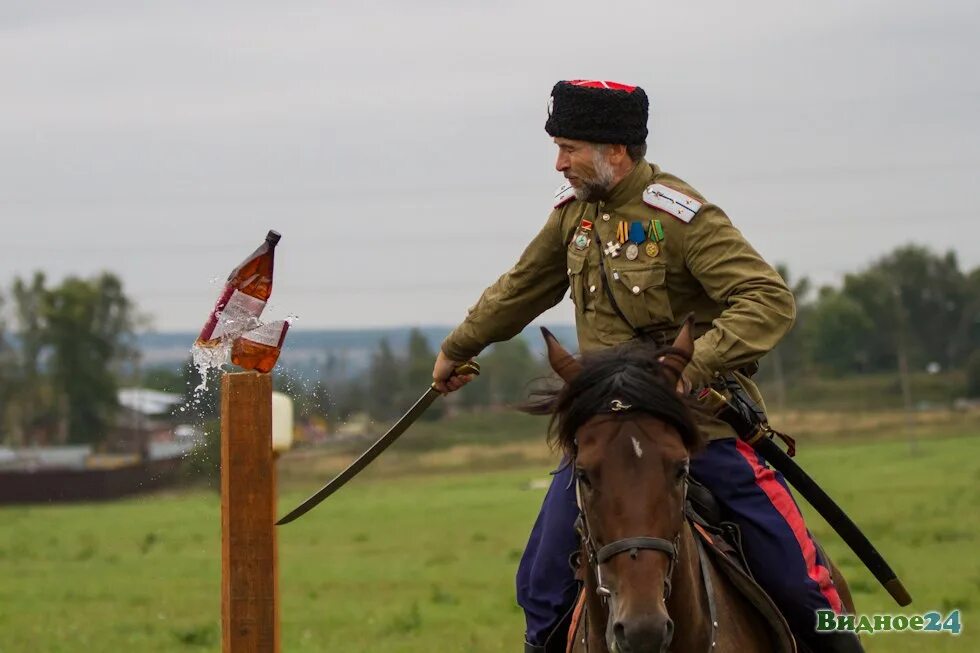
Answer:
(682, 473)
(582, 477)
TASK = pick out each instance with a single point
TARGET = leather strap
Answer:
(633, 544)
(709, 590)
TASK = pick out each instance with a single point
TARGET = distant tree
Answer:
(418, 374)
(507, 370)
(837, 333)
(915, 299)
(385, 384)
(8, 382)
(36, 409)
(89, 326)
(973, 375)
(351, 398)
(965, 338)
(789, 356)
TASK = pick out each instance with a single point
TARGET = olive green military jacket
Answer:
(693, 260)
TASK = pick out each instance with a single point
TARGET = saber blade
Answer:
(365, 458)
(385, 441)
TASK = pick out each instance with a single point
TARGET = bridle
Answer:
(604, 554)
(601, 555)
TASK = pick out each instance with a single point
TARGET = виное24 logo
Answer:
(930, 622)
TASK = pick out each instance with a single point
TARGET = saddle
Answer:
(722, 541)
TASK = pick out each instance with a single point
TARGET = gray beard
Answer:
(597, 188)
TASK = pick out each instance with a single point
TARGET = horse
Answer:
(625, 424)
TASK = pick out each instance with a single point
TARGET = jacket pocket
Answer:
(642, 295)
(577, 272)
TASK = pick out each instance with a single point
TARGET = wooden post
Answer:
(249, 567)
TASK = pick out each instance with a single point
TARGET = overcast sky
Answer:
(399, 146)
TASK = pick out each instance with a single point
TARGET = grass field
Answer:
(419, 555)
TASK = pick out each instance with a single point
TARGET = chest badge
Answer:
(653, 249)
(583, 235)
(612, 249)
(632, 251)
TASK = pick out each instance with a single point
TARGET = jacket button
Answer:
(605, 217)
(636, 290)
(591, 288)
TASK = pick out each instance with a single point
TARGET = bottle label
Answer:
(271, 334)
(233, 313)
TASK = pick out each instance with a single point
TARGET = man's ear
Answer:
(617, 153)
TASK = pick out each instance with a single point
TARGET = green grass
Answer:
(425, 561)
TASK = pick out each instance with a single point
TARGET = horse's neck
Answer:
(686, 604)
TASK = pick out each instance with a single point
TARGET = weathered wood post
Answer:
(249, 567)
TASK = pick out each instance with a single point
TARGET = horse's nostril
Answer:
(642, 635)
(619, 632)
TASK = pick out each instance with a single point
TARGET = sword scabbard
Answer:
(757, 435)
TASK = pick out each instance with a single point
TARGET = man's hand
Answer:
(684, 387)
(442, 375)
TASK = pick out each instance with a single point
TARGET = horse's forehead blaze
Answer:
(658, 440)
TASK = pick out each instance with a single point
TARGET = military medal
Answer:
(612, 249)
(656, 231)
(622, 233)
(632, 251)
(582, 236)
(637, 234)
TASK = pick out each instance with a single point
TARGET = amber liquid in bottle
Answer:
(259, 348)
(245, 293)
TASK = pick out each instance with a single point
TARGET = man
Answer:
(639, 250)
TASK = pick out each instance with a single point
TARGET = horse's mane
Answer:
(631, 373)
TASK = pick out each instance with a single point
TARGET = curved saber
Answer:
(385, 441)
(853, 537)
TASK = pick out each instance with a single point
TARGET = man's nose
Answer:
(561, 163)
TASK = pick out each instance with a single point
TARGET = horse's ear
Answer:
(682, 349)
(563, 363)
(685, 338)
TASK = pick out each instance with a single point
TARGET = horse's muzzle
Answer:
(647, 634)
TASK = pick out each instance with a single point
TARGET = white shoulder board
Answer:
(672, 201)
(564, 193)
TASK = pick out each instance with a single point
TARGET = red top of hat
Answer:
(593, 83)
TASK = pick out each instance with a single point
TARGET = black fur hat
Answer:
(598, 112)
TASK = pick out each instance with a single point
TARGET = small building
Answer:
(145, 416)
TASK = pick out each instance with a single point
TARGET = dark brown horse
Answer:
(630, 436)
